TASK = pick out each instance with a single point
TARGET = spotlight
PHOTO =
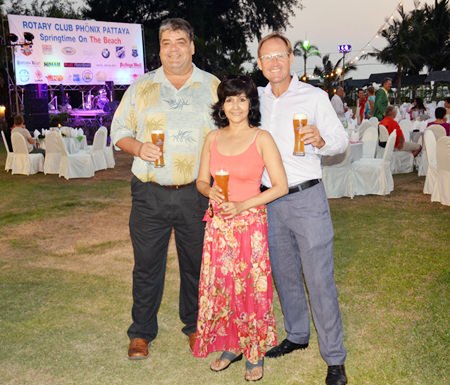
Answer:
(12, 37)
(29, 37)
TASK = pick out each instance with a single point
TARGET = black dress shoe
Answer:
(336, 375)
(284, 348)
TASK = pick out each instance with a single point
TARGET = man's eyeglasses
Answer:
(276, 55)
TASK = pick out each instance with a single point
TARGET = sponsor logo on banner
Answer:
(134, 51)
(52, 64)
(69, 51)
(55, 78)
(24, 75)
(106, 53)
(76, 78)
(130, 65)
(77, 65)
(27, 50)
(120, 51)
(47, 49)
(38, 76)
(87, 76)
(100, 76)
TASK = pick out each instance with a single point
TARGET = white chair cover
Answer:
(374, 120)
(77, 165)
(364, 126)
(108, 150)
(370, 141)
(53, 153)
(402, 162)
(438, 131)
(338, 178)
(97, 150)
(430, 179)
(383, 135)
(373, 176)
(441, 192)
(67, 131)
(406, 127)
(23, 162)
(9, 154)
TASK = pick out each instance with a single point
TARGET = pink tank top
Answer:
(245, 171)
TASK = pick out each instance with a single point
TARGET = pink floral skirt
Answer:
(235, 290)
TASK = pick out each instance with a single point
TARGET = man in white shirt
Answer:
(337, 101)
(300, 228)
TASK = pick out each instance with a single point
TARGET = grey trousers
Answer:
(301, 253)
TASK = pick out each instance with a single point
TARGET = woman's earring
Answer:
(223, 117)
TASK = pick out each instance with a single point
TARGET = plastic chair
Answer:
(374, 176)
(338, 178)
(370, 140)
(23, 162)
(9, 154)
(441, 192)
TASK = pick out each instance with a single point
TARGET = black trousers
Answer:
(155, 212)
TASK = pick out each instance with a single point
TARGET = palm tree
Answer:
(305, 49)
(331, 74)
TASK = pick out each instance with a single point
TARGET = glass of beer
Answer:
(221, 177)
(299, 121)
(158, 140)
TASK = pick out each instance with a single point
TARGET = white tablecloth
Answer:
(73, 145)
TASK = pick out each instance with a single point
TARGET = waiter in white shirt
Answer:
(300, 228)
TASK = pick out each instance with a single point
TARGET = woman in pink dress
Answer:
(235, 291)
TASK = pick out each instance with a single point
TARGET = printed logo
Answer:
(47, 49)
(106, 53)
(52, 64)
(24, 75)
(38, 76)
(77, 65)
(55, 78)
(69, 51)
(120, 51)
(134, 51)
(26, 50)
(87, 76)
(76, 77)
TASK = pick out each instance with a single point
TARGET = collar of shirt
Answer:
(196, 77)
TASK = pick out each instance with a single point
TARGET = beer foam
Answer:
(300, 116)
(157, 132)
(222, 172)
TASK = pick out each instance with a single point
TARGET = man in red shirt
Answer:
(390, 123)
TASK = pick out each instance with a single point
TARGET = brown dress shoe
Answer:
(191, 341)
(138, 349)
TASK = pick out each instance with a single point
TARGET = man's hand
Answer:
(149, 152)
(311, 135)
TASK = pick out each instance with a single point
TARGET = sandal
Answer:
(225, 360)
(254, 372)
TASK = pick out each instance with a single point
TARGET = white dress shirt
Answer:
(277, 118)
(338, 105)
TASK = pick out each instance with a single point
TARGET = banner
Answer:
(76, 52)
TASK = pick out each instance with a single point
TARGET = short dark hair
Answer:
(176, 24)
(18, 120)
(440, 112)
(234, 85)
(385, 80)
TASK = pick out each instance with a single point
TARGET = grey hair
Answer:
(176, 24)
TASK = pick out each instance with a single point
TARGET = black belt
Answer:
(299, 187)
(173, 186)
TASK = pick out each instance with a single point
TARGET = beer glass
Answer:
(221, 177)
(299, 121)
(158, 140)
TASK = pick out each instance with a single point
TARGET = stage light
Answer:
(29, 37)
(12, 37)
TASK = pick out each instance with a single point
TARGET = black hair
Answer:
(440, 112)
(232, 86)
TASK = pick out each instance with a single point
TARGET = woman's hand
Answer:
(215, 194)
(231, 209)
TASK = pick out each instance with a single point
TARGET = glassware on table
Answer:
(299, 121)
(222, 177)
(158, 140)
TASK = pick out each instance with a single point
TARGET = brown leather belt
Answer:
(173, 186)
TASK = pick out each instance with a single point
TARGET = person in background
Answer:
(418, 110)
(440, 113)
(382, 98)
(300, 227)
(337, 101)
(235, 293)
(447, 107)
(360, 106)
(368, 112)
(391, 124)
(176, 98)
(19, 127)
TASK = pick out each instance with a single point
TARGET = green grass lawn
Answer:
(65, 290)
